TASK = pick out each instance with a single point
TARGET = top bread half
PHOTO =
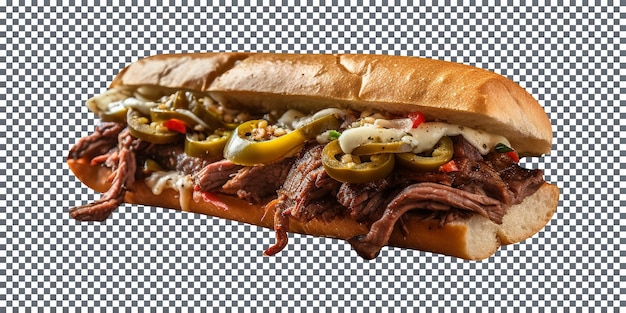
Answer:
(445, 91)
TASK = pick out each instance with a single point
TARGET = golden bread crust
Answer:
(451, 92)
(456, 93)
(473, 238)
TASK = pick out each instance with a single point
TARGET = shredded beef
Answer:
(463, 149)
(257, 183)
(173, 158)
(307, 181)
(215, 175)
(103, 139)
(365, 200)
(281, 226)
(495, 175)
(305, 195)
(521, 182)
(189, 165)
(479, 177)
(422, 196)
(124, 175)
(482, 185)
(485, 185)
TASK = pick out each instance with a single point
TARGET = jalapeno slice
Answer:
(443, 153)
(151, 166)
(382, 147)
(212, 118)
(180, 100)
(118, 116)
(242, 149)
(318, 126)
(210, 147)
(379, 165)
(161, 115)
(141, 127)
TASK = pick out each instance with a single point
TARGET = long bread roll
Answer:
(444, 93)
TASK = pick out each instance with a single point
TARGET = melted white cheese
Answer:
(404, 124)
(421, 139)
(192, 116)
(297, 122)
(428, 134)
(286, 120)
(101, 102)
(355, 137)
(159, 181)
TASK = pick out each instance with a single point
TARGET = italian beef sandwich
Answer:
(377, 150)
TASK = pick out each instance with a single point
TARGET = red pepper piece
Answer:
(513, 155)
(417, 118)
(214, 200)
(210, 198)
(176, 125)
(449, 167)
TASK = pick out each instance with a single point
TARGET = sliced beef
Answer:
(123, 176)
(172, 157)
(166, 156)
(257, 183)
(307, 181)
(521, 182)
(189, 165)
(463, 149)
(480, 178)
(281, 227)
(484, 185)
(422, 196)
(103, 139)
(365, 200)
(307, 193)
(324, 209)
(215, 175)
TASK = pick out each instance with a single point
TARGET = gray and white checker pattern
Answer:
(52, 58)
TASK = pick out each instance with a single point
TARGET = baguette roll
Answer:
(442, 91)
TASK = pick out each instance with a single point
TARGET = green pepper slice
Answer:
(180, 100)
(212, 146)
(212, 118)
(443, 153)
(161, 115)
(118, 116)
(379, 166)
(318, 126)
(151, 166)
(140, 127)
(241, 149)
(382, 147)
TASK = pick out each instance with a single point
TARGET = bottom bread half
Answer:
(470, 238)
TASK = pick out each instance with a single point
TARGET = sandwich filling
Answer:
(372, 167)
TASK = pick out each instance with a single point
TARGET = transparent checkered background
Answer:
(52, 58)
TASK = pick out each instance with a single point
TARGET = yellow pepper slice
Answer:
(141, 127)
(212, 146)
(243, 150)
(212, 118)
(442, 154)
(382, 147)
(379, 166)
(118, 116)
(161, 115)
(180, 100)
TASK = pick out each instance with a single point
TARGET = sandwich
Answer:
(378, 150)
